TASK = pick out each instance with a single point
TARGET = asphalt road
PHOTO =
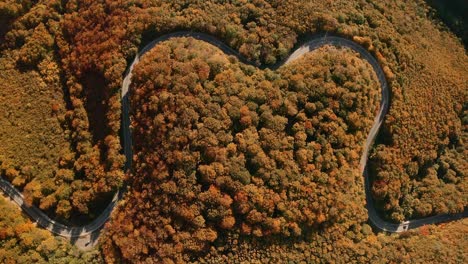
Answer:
(86, 236)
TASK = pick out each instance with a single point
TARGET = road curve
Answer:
(93, 228)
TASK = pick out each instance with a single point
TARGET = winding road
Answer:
(92, 230)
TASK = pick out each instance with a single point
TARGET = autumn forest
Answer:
(235, 160)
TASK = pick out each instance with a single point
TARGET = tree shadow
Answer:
(96, 98)
(454, 14)
(5, 26)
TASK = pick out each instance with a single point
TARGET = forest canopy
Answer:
(80, 50)
(226, 146)
(299, 199)
(22, 242)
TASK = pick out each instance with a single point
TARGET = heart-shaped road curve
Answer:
(86, 236)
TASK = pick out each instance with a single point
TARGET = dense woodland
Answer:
(445, 244)
(22, 242)
(87, 165)
(62, 64)
(225, 146)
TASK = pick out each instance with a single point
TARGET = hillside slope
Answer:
(62, 64)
